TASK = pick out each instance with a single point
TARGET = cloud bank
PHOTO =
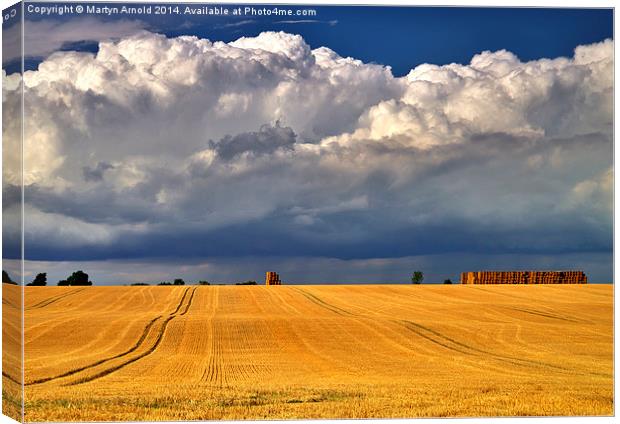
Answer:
(266, 147)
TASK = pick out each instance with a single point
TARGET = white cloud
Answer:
(595, 193)
(203, 135)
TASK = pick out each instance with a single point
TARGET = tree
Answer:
(63, 283)
(179, 282)
(39, 280)
(448, 281)
(417, 277)
(247, 283)
(204, 283)
(6, 278)
(79, 278)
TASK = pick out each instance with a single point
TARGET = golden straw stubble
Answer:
(329, 351)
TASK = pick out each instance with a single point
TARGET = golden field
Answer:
(341, 351)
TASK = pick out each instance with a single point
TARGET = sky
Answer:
(354, 146)
(399, 37)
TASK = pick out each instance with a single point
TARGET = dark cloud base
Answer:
(272, 238)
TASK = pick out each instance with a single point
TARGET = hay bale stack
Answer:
(524, 277)
(272, 279)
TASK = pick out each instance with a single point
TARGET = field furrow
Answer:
(135, 347)
(239, 352)
(159, 337)
(54, 299)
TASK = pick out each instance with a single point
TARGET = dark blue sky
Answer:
(404, 37)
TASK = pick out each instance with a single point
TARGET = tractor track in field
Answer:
(362, 319)
(189, 303)
(4, 374)
(105, 372)
(8, 303)
(367, 321)
(371, 324)
(377, 323)
(448, 343)
(533, 311)
(511, 295)
(546, 314)
(54, 299)
(101, 361)
(457, 346)
(213, 374)
(318, 301)
(136, 346)
(181, 302)
(158, 340)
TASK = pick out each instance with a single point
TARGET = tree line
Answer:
(80, 278)
(176, 282)
(6, 279)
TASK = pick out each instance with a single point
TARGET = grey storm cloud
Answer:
(265, 141)
(96, 173)
(264, 147)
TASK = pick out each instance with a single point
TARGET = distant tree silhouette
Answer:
(204, 283)
(179, 282)
(63, 283)
(247, 283)
(139, 284)
(165, 283)
(417, 277)
(79, 278)
(39, 280)
(448, 281)
(6, 278)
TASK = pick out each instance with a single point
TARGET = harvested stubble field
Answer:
(230, 352)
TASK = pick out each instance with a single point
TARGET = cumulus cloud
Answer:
(264, 146)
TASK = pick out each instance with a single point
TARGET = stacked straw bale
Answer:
(272, 279)
(524, 277)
